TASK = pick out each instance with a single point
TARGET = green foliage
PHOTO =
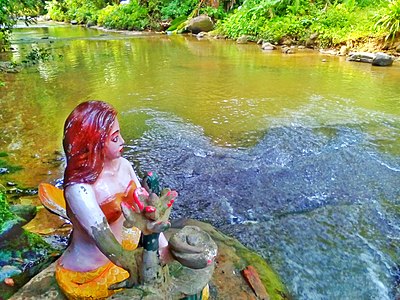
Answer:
(214, 13)
(249, 19)
(335, 23)
(177, 23)
(57, 10)
(104, 13)
(390, 21)
(130, 16)
(10, 11)
(177, 8)
(82, 11)
(271, 19)
(293, 27)
(341, 22)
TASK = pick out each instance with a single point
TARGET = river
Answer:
(297, 156)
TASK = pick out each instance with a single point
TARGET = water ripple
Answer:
(318, 202)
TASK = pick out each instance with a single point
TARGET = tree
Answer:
(11, 11)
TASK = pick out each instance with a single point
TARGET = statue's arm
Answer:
(82, 203)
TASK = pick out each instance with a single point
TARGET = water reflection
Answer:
(297, 157)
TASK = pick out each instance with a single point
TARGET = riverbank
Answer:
(355, 51)
(368, 26)
(204, 27)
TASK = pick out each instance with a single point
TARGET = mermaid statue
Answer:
(118, 243)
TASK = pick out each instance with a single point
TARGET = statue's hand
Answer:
(157, 227)
(149, 213)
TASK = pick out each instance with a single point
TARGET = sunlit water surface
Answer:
(298, 156)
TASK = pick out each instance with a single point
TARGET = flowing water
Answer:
(297, 156)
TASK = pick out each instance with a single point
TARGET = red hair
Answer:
(85, 133)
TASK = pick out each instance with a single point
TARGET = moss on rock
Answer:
(5, 212)
(22, 254)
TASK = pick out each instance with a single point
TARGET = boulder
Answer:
(267, 46)
(312, 40)
(361, 57)
(382, 60)
(343, 51)
(288, 50)
(376, 59)
(242, 40)
(201, 35)
(199, 24)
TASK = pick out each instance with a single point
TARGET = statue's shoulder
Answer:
(126, 166)
(78, 187)
(78, 190)
(125, 162)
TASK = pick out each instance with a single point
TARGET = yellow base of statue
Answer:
(89, 285)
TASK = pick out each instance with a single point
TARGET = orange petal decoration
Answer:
(53, 199)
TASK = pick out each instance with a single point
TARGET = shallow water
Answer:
(295, 156)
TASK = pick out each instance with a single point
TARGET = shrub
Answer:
(246, 21)
(131, 16)
(82, 11)
(290, 26)
(104, 13)
(390, 21)
(57, 11)
(176, 8)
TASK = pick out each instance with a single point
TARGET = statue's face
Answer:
(114, 143)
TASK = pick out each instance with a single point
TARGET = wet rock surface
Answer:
(22, 254)
(376, 59)
(227, 281)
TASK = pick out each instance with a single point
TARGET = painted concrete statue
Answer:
(111, 213)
